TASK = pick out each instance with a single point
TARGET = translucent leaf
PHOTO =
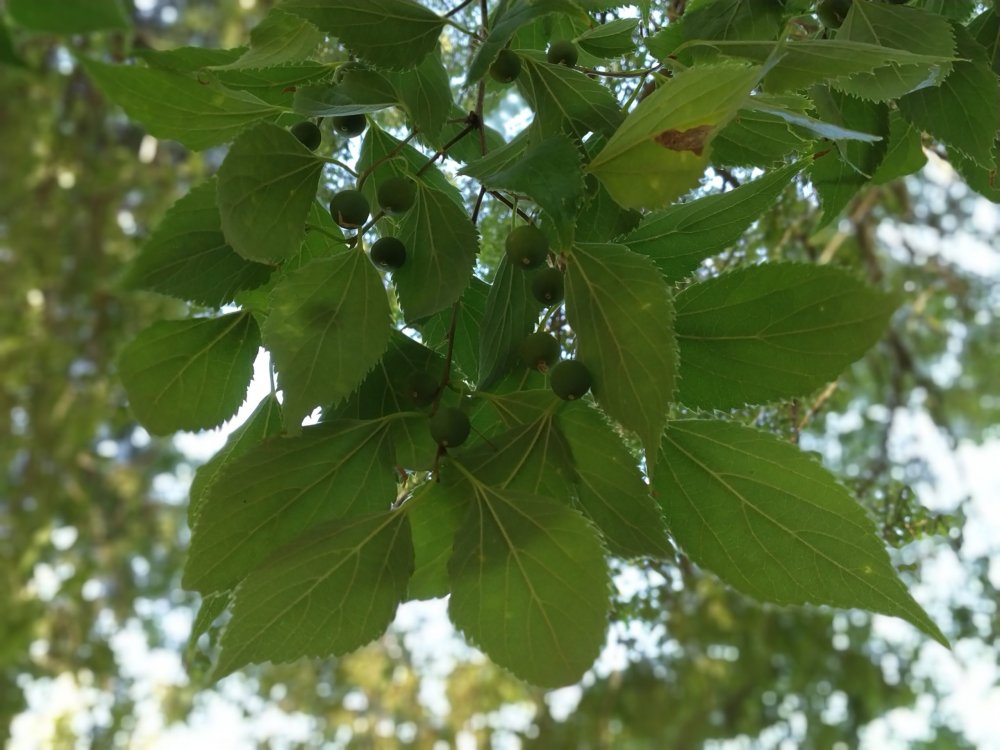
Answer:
(610, 488)
(189, 374)
(441, 246)
(896, 27)
(357, 91)
(264, 422)
(530, 586)
(609, 39)
(329, 325)
(61, 17)
(178, 107)
(269, 496)
(392, 34)
(329, 592)
(680, 237)
(187, 255)
(757, 139)
(620, 309)
(565, 99)
(771, 522)
(773, 331)
(280, 38)
(267, 185)
(661, 150)
(510, 315)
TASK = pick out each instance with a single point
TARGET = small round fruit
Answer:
(308, 134)
(547, 286)
(539, 349)
(396, 195)
(570, 379)
(833, 12)
(422, 387)
(388, 252)
(527, 246)
(562, 52)
(449, 427)
(349, 208)
(350, 125)
(506, 67)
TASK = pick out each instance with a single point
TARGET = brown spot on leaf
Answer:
(692, 140)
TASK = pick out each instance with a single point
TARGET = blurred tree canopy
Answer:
(93, 520)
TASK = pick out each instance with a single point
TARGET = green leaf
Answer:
(897, 27)
(773, 331)
(187, 60)
(269, 496)
(436, 515)
(357, 91)
(905, 151)
(61, 17)
(329, 325)
(189, 374)
(661, 150)
(187, 255)
(211, 608)
(441, 246)
(818, 128)
(327, 593)
(985, 29)
(8, 53)
(280, 38)
(600, 219)
(839, 175)
(471, 309)
(565, 99)
(805, 62)
(267, 184)
(530, 586)
(549, 172)
(178, 107)
(511, 16)
(610, 487)
(732, 19)
(511, 314)
(392, 34)
(680, 237)
(964, 110)
(610, 39)
(264, 422)
(276, 85)
(425, 93)
(620, 309)
(771, 522)
(983, 181)
(756, 139)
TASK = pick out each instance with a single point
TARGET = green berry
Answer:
(422, 387)
(562, 52)
(449, 427)
(527, 246)
(388, 252)
(308, 134)
(349, 208)
(396, 195)
(506, 67)
(570, 379)
(547, 286)
(539, 349)
(350, 125)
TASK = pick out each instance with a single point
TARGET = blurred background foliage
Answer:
(92, 509)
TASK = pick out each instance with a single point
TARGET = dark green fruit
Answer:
(396, 195)
(349, 208)
(350, 125)
(562, 52)
(539, 349)
(308, 134)
(422, 387)
(570, 379)
(449, 427)
(506, 67)
(388, 252)
(547, 286)
(527, 246)
(833, 12)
